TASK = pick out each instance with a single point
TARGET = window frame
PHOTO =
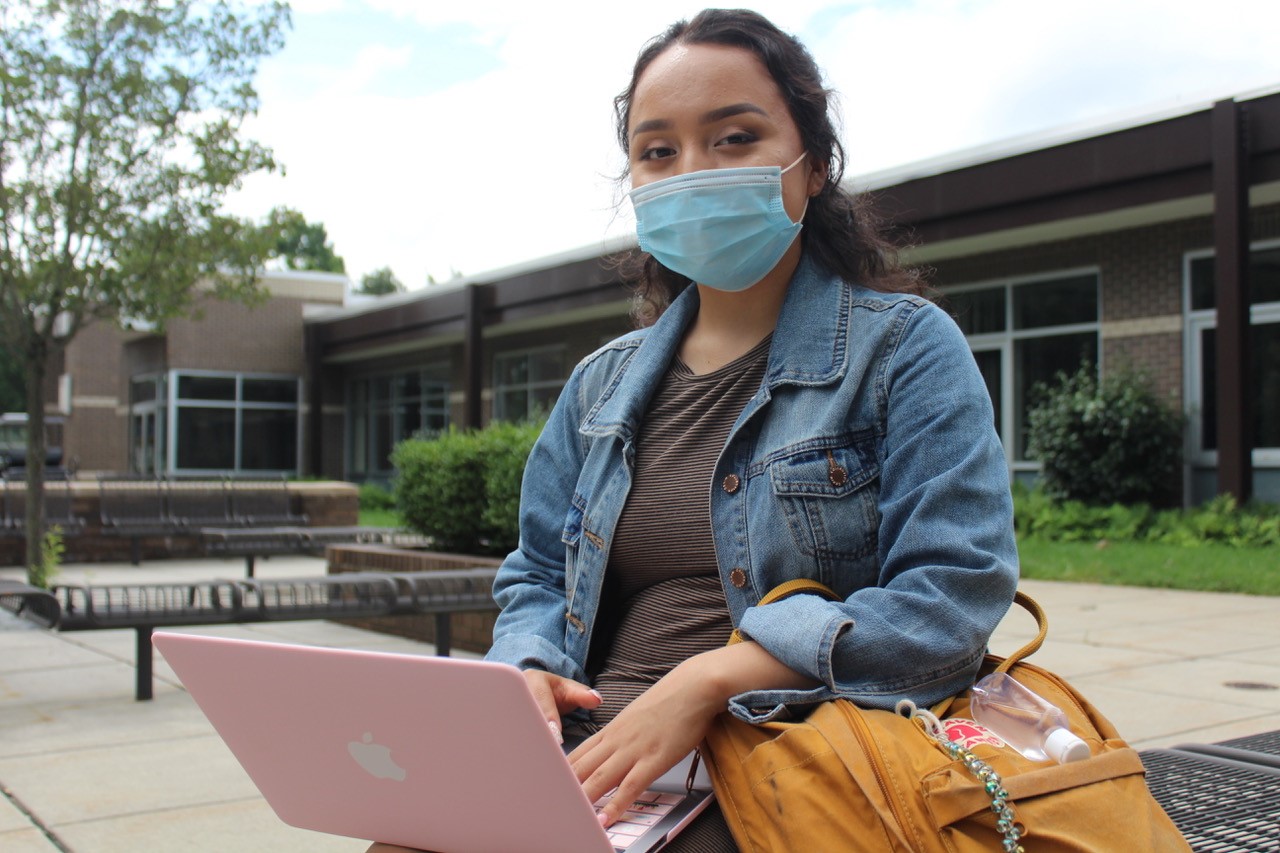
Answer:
(1195, 322)
(157, 408)
(1006, 343)
(499, 390)
(429, 375)
(173, 404)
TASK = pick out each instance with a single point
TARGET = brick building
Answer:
(220, 393)
(1127, 247)
(1131, 246)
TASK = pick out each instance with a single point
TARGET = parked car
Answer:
(13, 445)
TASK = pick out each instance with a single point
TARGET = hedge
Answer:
(462, 488)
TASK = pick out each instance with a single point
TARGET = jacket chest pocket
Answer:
(829, 497)
(571, 536)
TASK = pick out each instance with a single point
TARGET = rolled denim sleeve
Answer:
(948, 563)
(530, 586)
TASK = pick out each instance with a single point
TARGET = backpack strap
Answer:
(1033, 607)
(786, 590)
(812, 587)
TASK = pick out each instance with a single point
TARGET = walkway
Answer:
(85, 768)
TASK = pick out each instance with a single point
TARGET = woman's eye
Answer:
(657, 152)
(739, 138)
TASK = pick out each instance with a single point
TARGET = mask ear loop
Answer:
(803, 154)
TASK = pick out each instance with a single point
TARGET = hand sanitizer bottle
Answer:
(1024, 720)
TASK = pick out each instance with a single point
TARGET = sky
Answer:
(444, 138)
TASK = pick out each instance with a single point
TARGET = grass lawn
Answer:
(1212, 568)
(380, 518)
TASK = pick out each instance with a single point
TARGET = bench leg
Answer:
(143, 690)
(248, 565)
(443, 634)
(135, 550)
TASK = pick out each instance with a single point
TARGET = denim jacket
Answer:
(867, 460)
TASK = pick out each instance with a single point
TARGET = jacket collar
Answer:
(811, 339)
(809, 347)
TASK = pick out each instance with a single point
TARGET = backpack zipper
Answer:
(866, 740)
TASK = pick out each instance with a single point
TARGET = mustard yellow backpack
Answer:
(852, 779)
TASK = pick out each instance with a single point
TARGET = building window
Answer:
(198, 422)
(1023, 333)
(384, 410)
(148, 399)
(1263, 357)
(527, 383)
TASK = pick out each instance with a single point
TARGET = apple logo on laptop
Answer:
(375, 758)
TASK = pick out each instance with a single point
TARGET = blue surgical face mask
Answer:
(724, 228)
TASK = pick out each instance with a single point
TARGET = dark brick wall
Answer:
(470, 631)
(225, 336)
(1158, 356)
(265, 338)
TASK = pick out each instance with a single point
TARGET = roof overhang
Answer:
(1158, 169)
(1153, 172)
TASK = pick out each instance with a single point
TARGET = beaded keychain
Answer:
(1006, 821)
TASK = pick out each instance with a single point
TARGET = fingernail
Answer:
(555, 730)
(596, 693)
(604, 819)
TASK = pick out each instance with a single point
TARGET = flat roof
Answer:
(1135, 168)
(1051, 137)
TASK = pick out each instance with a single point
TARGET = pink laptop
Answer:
(435, 753)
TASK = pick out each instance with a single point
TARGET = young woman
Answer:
(793, 409)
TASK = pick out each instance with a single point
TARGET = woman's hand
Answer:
(670, 719)
(647, 738)
(557, 696)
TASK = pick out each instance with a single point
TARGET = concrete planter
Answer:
(472, 632)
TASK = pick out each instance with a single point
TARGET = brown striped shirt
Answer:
(662, 599)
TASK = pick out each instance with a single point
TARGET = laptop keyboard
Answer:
(649, 808)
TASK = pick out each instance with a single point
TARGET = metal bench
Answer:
(35, 604)
(191, 505)
(254, 542)
(1223, 797)
(145, 607)
(264, 503)
(133, 508)
(57, 506)
(240, 518)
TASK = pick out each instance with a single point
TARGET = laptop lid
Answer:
(428, 752)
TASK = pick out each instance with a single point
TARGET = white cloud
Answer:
(517, 163)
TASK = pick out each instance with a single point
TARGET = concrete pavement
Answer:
(85, 768)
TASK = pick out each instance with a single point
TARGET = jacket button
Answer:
(731, 483)
(738, 578)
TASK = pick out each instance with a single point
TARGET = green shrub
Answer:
(1036, 513)
(439, 489)
(1105, 442)
(375, 497)
(1220, 521)
(506, 448)
(462, 488)
(43, 574)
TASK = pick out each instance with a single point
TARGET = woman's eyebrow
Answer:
(721, 113)
(718, 114)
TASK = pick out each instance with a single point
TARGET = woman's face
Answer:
(706, 106)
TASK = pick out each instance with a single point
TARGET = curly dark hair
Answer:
(842, 229)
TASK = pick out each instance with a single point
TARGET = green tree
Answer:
(120, 136)
(1105, 441)
(380, 282)
(300, 244)
(13, 395)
